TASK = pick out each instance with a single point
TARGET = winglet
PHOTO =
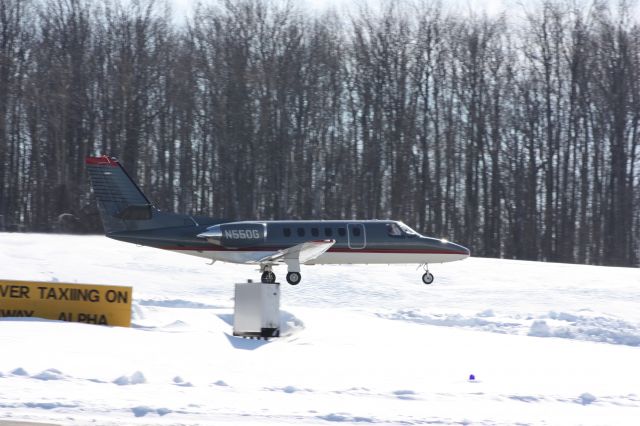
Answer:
(103, 160)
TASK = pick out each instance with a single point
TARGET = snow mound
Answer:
(596, 329)
(487, 313)
(290, 389)
(346, 418)
(49, 405)
(179, 381)
(289, 324)
(406, 394)
(178, 324)
(586, 398)
(122, 381)
(19, 372)
(143, 410)
(539, 329)
(524, 398)
(136, 378)
(49, 374)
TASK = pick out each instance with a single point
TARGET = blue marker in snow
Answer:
(472, 377)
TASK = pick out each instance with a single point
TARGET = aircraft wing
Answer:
(302, 252)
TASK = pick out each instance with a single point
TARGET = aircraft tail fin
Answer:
(121, 203)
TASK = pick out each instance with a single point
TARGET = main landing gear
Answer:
(268, 277)
(294, 278)
(427, 278)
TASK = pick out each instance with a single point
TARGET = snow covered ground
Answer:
(547, 343)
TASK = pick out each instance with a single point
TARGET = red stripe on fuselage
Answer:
(415, 251)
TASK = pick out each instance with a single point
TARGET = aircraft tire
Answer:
(268, 277)
(294, 278)
(427, 278)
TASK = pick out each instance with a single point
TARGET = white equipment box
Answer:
(257, 310)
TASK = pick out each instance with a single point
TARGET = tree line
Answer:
(515, 136)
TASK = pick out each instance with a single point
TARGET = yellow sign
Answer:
(92, 304)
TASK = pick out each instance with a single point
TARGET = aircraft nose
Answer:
(458, 249)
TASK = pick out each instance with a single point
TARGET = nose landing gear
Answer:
(427, 278)
(268, 277)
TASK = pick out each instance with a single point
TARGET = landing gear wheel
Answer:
(427, 278)
(294, 278)
(268, 277)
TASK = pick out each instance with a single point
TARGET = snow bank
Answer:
(565, 325)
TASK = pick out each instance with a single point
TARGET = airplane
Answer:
(128, 215)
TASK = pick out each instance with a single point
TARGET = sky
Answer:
(492, 7)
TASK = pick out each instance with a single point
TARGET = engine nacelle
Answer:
(236, 235)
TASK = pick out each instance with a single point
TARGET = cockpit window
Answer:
(410, 232)
(394, 230)
(399, 229)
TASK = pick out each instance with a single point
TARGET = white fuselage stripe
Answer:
(351, 257)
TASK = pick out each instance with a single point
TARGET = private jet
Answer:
(128, 215)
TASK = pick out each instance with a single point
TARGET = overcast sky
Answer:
(492, 7)
(516, 8)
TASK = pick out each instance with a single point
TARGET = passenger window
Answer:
(342, 232)
(301, 232)
(315, 232)
(394, 230)
(286, 232)
(355, 231)
(328, 232)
